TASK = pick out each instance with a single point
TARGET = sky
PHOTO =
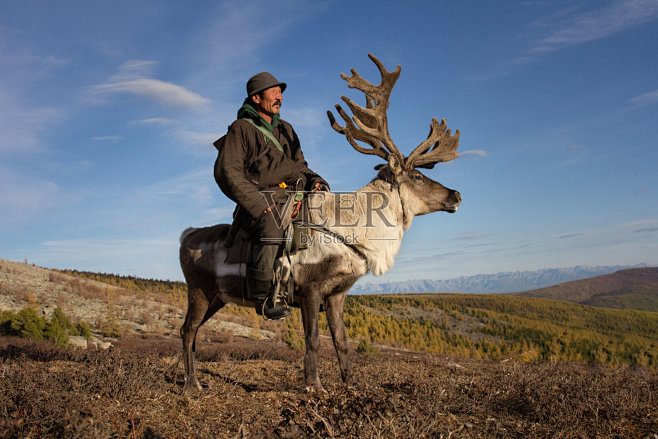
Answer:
(108, 111)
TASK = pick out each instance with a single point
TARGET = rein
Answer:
(395, 185)
(340, 238)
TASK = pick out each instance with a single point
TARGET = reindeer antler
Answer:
(372, 124)
(440, 146)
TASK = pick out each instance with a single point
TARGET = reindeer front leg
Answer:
(334, 313)
(310, 309)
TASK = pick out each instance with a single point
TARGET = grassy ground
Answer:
(255, 389)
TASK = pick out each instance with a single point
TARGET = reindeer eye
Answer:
(418, 177)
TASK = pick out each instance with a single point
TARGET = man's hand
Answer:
(269, 209)
(318, 187)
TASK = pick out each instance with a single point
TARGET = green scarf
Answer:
(248, 111)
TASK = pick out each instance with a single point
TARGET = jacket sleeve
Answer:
(302, 166)
(230, 172)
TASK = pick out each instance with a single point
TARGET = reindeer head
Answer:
(420, 194)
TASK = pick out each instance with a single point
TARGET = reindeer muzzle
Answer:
(453, 201)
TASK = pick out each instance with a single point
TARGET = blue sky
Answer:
(108, 110)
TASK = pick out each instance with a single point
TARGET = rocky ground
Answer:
(102, 305)
(253, 386)
(254, 389)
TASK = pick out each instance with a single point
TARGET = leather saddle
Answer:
(239, 241)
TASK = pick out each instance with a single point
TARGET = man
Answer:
(261, 154)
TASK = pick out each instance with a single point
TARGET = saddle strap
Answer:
(267, 134)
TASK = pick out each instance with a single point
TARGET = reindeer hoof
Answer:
(192, 388)
(319, 388)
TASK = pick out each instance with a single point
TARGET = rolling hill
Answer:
(635, 288)
(487, 326)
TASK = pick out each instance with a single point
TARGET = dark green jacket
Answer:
(248, 163)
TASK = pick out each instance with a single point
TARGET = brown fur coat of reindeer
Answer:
(374, 217)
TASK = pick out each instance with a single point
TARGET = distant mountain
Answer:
(635, 288)
(507, 282)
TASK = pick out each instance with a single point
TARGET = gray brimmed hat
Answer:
(263, 81)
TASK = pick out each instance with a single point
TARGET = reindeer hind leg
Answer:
(197, 310)
(215, 305)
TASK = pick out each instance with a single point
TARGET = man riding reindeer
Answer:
(260, 155)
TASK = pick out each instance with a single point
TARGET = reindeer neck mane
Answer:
(371, 218)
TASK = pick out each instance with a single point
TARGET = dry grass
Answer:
(255, 389)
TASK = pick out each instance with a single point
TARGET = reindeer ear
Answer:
(394, 164)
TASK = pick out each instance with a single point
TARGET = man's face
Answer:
(269, 101)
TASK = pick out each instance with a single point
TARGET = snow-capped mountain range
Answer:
(504, 282)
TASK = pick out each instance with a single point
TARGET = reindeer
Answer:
(374, 217)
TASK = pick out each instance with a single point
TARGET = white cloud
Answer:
(631, 226)
(573, 29)
(133, 78)
(164, 93)
(474, 152)
(111, 139)
(199, 142)
(571, 235)
(134, 69)
(26, 62)
(203, 139)
(648, 98)
(471, 236)
(76, 166)
(192, 185)
(155, 121)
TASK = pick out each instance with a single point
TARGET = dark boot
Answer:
(264, 301)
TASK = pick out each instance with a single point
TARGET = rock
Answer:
(77, 341)
(48, 310)
(99, 344)
(104, 345)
